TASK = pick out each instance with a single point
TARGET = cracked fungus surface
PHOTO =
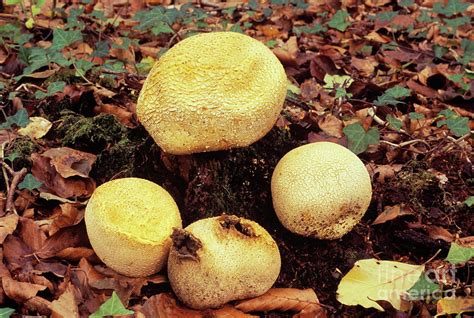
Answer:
(321, 190)
(212, 91)
(236, 259)
(129, 222)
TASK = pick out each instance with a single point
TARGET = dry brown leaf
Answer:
(282, 299)
(374, 36)
(76, 253)
(74, 236)
(66, 215)
(383, 172)
(70, 162)
(392, 212)
(331, 125)
(8, 225)
(164, 305)
(227, 312)
(287, 53)
(53, 182)
(20, 291)
(366, 66)
(31, 234)
(126, 55)
(66, 304)
(439, 233)
(17, 255)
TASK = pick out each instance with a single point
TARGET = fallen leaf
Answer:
(439, 233)
(288, 52)
(66, 304)
(31, 234)
(370, 280)
(53, 182)
(448, 306)
(331, 125)
(20, 291)
(70, 162)
(227, 312)
(122, 114)
(17, 255)
(366, 66)
(392, 212)
(8, 225)
(38, 127)
(284, 299)
(163, 305)
(66, 215)
(74, 236)
(383, 172)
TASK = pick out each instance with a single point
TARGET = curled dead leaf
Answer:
(285, 299)
(331, 125)
(66, 304)
(8, 224)
(66, 215)
(288, 52)
(20, 291)
(392, 212)
(37, 128)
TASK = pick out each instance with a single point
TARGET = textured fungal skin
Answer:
(212, 91)
(129, 222)
(233, 262)
(320, 190)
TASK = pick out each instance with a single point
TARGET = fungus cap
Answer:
(212, 91)
(220, 259)
(129, 222)
(320, 190)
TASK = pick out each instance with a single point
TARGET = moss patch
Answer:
(21, 149)
(90, 134)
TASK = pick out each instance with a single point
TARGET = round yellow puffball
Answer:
(320, 190)
(212, 91)
(220, 259)
(129, 222)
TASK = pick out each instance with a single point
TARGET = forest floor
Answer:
(392, 81)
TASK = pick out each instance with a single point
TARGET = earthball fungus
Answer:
(220, 259)
(212, 91)
(320, 190)
(129, 222)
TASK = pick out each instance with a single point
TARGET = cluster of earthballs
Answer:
(210, 92)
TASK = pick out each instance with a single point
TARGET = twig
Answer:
(17, 177)
(405, 143)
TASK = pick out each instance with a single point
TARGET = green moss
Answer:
(417, 184)
(20, 152)
(116, 161)
(91, 134)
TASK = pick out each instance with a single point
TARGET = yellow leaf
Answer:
(371, 280)
(37, 128)
(449, 306)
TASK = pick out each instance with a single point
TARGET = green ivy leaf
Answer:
(416, 116)
(20, 119)
(451, 8)
(113, 306)
(315, 29)
(468, 48)
(53, 88)
(161, 27)
(6, 312)
(63, 38)
(459, 126)
(82, 66)
(458, 254)
(101, 49)
(394, 122)
(469, 201)
(422, 288)
(392, 96)
(12, 156)
(386, 16)
(338, 21)
(30, 183)
(359, 139)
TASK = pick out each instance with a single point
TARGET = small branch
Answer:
(17, 177)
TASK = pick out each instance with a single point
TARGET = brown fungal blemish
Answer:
(185, 244)
(234, 222)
